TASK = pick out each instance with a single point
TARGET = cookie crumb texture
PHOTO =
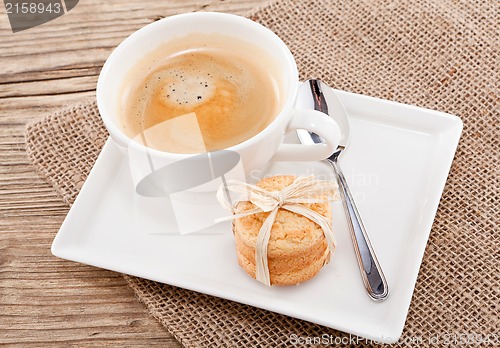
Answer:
(297, 247)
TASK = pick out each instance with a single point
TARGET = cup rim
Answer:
(114, 129)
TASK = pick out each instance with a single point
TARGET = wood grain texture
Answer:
(46, 301)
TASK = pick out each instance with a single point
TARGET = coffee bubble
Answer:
(188, 89)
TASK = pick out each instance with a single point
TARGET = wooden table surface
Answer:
(46, 301)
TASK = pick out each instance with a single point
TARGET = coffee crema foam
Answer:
(200, 93)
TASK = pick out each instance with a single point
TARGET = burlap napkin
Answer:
(437, 54)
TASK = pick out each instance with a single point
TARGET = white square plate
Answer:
(396, 165)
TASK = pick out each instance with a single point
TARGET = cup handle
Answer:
(313, 121)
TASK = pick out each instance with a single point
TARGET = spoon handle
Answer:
(371, 273)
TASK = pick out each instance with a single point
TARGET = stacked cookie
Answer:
(297, 248)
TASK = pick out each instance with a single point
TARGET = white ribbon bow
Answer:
(302, 190)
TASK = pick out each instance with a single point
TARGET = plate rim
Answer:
(391, 332)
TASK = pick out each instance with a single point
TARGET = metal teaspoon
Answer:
(371, 273)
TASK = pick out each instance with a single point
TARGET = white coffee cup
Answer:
(254, 152)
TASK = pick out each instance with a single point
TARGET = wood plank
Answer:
(76, 70)
(56, 86)
(96, 38)
(27, 109)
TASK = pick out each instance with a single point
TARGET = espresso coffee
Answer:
(200, 93)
